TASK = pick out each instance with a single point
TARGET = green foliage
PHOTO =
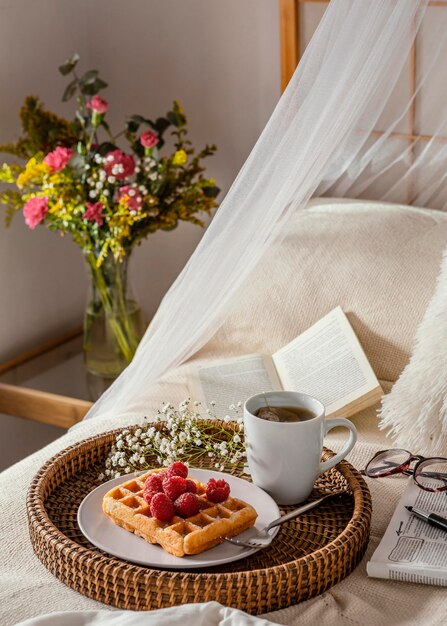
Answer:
(89, 84)
(42, 131)
(13, 201)
(69, 65)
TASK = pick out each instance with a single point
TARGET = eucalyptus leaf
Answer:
(88, 77)
(70, 90)
(132, 126)
(161, 124)
(92, 88)
(69, 65)
(138, 118)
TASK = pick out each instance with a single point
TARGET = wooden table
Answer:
(47, 384)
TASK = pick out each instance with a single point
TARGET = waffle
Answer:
(127, 508)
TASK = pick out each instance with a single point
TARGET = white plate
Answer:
(105, 535)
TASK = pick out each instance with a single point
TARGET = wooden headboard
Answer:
(293, 26)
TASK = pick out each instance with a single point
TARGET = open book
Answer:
(326, 361)
(411, 550)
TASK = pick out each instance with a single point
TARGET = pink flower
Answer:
(119, 164)
(98, 105)
(35, 210)
(149, 139)
(94, 212)
(131, 196)
(59, 158)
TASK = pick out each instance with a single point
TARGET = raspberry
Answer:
(162, 507)
(191, 486)
(174, 486)
(178, 469)
(153, 485)
(217, 490)
(187, 504)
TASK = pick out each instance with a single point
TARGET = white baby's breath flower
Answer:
(178, 434)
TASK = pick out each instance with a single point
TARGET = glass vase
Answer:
(113, 321)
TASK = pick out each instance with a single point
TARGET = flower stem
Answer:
(119, 329)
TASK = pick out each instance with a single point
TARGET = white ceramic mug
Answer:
(284, 458)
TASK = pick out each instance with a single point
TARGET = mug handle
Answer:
(329, 425)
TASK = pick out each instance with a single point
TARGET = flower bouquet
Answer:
(78, 181)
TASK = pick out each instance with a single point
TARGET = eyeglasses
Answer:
(429, 474)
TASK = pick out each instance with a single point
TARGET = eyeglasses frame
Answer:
(404, 468)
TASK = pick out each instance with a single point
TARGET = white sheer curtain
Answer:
(318, 136)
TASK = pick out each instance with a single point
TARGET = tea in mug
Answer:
(285, 414)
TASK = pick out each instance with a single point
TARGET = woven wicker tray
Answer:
(309, 554)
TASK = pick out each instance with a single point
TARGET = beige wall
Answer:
(220, 59)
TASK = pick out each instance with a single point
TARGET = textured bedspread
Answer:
(354, 244)
(27, 589)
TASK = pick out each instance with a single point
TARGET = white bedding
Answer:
(27, 589)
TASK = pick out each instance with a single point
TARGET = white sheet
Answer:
(205, 614)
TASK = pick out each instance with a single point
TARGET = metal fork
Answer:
(263, 539)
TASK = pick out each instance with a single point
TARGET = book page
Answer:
(231, 381)
(327, 362)
(411, 549)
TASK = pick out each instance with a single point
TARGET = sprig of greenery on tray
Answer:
(184, 434)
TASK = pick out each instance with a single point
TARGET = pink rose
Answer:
(35, 210)
(59, 158)
(149, 139)
(119, 164)
(131, 196)
(94, 212)
(98, 105)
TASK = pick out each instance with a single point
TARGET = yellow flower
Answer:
(32, 173)
(180, 158)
